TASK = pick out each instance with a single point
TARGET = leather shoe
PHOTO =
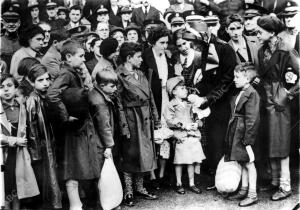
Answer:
(195, 189)
(155, 184)
(209, 188)
(238, 196)
(280, 194)
(128, 200)
(248, 201)
(147, 195)
(180, 190)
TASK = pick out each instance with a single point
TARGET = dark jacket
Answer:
(114, 19)
(41, 145)
(138, 15)
(243, 125)
(150, 68)
(81, 155)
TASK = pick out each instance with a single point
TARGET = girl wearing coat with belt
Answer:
(279, 71)
(138, 152)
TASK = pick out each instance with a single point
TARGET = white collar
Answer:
(190, 57)
(241, 46)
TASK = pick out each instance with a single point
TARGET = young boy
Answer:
(242, 132)
(102, 108)
(68, 99)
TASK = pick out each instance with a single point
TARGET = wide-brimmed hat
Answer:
(114, 29)
(133, 26)
(173, 82)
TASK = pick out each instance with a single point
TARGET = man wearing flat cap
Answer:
(9, 41)
(252, 13)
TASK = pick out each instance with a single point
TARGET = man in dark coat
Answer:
(68, 99)
(146, 11)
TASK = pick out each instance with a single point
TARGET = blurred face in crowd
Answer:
(36, 42)
(52, 12)
(102, 30)
(136, 60)
(263, 35)
(240, 79)
(235, 30)
(161, 45)
(177, 26)
(213, 29)
(119, 36)
(96, 48)
(126, 16)
(47, 30)
(146, 3)
(109, 88)
(132, 36)
(251, 23)
(292, 21)
(113, 56)
(103, 18)
(11, 26)
(180, 91)
(34, 12)
(7, 90)
(76, 60)
(62, 15)
(42, 83)
(75, 15)
(183, 46)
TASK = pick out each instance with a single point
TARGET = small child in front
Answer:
(180, 118)
(242, 132)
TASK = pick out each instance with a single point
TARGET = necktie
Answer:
(146, 11)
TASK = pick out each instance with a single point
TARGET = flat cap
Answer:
(173, 82)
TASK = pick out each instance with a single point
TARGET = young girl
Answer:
(13, 133)
(179, 117)
(242, 132)
(41, 139)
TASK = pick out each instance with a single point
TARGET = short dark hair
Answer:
(248, 68)
(106, 76)
(155, 33)
(129, 49)
(70, 47)
(234, 18)
(25, 64)
(93, 42)
(4, 77)
(58, 35)
(29, 33)
(75, 7)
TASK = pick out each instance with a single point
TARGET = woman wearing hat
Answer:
(118, 34)
(133, 33)
(279, 71)
(34, 16)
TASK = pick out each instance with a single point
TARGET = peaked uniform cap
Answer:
(253, 10)
(176, 17)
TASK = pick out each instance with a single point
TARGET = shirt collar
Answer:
(242, 46)
(157, 55)
(30, 51)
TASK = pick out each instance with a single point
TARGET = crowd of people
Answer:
(156, 91)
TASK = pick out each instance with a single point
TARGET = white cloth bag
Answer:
(111, 192)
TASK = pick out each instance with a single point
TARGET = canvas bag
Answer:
(228, 176)
(111, 192)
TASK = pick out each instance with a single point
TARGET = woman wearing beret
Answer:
(279, 71)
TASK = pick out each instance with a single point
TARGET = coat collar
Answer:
(106, 97)
(244, 97)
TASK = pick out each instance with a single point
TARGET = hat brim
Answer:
(286, 14)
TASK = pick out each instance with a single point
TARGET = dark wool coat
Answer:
(272, 73)
(243, 126)
(138, 152)
(149, 66)
(138, 16)
(41, 145)
(81, 154)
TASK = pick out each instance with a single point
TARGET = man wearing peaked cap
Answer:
(192, 15)
(252, 13)
(33, 7)
(52, 19)
(102, 14)
(9, 41)
(62, 12)
(125, 13)
(176, 21)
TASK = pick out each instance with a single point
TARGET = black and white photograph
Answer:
(149, 104)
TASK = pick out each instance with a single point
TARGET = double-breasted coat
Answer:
(138, 152)
(273, 69)
(41, 145)
(243, 125)
(81, 154)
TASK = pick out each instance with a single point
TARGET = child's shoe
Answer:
(128, 200)
(180, 190)
(280, 194)
(248, 201)
(238, 196)
(195, 189)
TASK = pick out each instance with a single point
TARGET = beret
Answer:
(270, 23)
(108, 46)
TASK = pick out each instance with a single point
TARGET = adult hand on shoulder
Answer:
(22, 142)
(250, 153)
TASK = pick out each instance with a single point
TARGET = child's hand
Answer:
(107, 153)
(21, 142)
(250, 153)
(191, 126)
